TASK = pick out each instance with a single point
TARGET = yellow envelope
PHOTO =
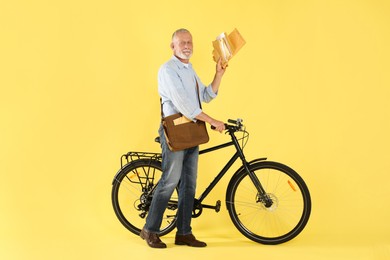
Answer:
(226, 46)
(181, 120)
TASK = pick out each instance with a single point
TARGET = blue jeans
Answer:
(180, 166)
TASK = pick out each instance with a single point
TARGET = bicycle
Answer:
(268, 202)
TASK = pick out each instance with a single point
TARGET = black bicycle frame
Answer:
(239, 154)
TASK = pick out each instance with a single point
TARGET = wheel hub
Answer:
(269, 198)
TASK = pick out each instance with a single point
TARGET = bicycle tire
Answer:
(132, 192)
(282, 221)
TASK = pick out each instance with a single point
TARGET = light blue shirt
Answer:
(177, 89)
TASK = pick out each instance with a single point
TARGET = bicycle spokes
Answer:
(132, 193)
(276, 216)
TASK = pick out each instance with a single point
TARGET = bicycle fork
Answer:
(263, 196)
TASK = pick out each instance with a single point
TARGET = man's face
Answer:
(182, 45)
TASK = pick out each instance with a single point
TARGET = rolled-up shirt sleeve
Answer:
(207, 93)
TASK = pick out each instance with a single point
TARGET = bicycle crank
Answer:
(198, 208)
(217, 206)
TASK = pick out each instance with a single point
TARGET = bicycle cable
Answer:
(245, 138)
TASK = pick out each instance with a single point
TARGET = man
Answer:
(177, 86)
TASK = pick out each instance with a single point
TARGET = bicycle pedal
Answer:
(218, 206)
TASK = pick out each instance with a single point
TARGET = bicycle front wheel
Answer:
(259, 221)
(132, 193)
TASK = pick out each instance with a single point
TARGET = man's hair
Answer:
(181, 30)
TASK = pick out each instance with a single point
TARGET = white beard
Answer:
(184, 56)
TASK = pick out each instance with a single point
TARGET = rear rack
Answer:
(132, 156)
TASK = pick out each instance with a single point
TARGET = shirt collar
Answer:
(180, 64)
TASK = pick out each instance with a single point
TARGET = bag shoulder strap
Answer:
(197, 90)
(162, 113)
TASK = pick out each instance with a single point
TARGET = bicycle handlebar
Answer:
(237, 124)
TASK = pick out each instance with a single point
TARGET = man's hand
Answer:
(220, 69)
(219, 125)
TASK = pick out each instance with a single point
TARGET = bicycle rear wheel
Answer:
(132, 193)
(275, 224)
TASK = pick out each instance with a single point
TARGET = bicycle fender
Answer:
(119, 171)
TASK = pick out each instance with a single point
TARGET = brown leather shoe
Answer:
(189, 240)
(152, 239)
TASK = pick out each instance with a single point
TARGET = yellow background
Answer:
(79, 88)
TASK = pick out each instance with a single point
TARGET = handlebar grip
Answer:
(213, 127)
